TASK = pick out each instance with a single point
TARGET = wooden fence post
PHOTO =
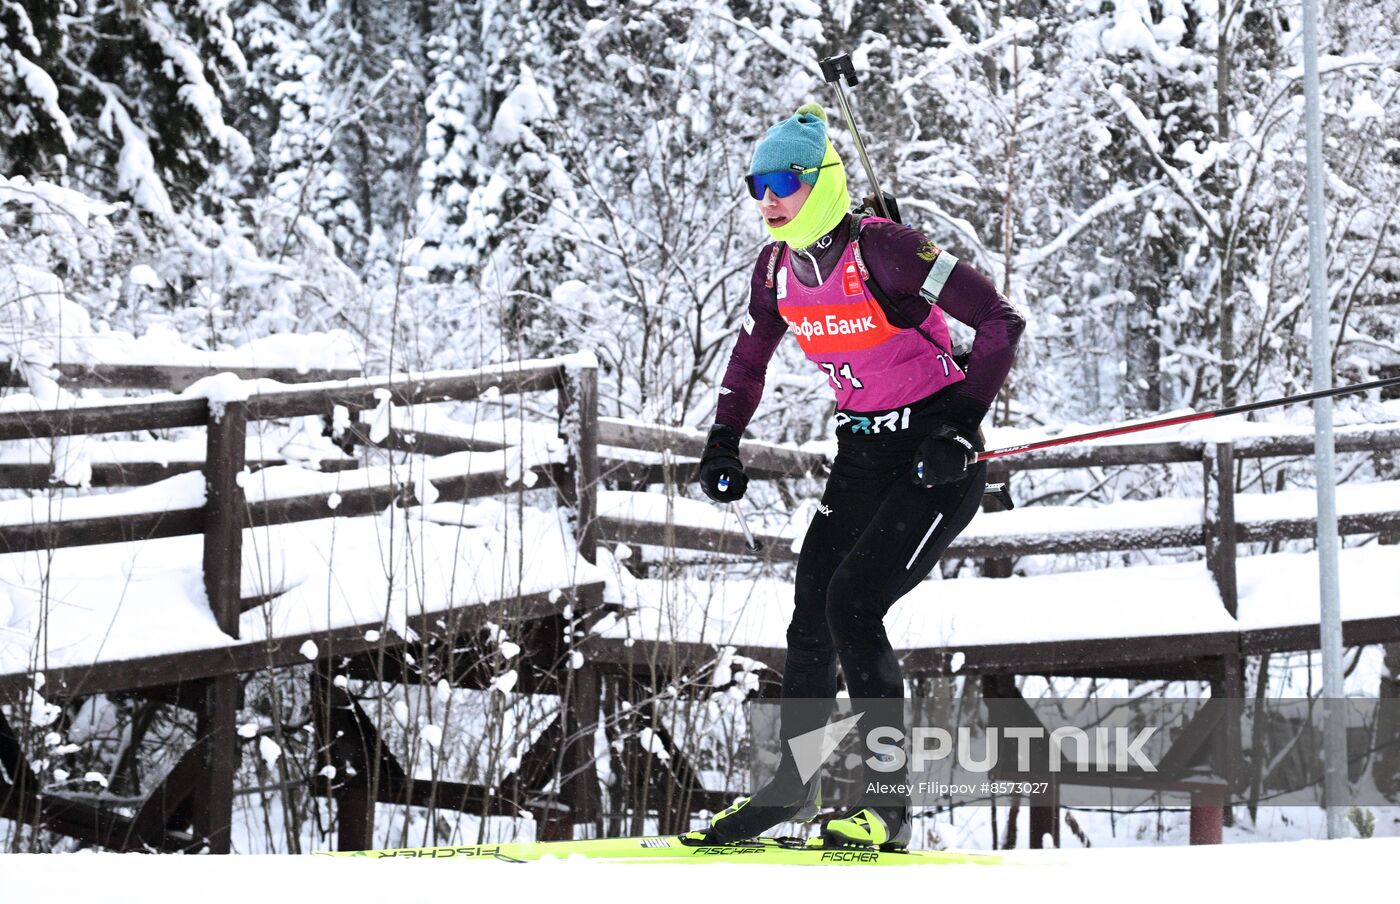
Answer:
(582, 691)
(1045, 816)
(224, 517)
(1219, 487)
(1207, 816)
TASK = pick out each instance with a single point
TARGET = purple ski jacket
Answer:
(911, 272)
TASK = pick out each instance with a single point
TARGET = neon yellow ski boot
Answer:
(886, 828)
(749, 817)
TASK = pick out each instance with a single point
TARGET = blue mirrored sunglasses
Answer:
(782, 182)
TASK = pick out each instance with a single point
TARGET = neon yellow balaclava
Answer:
(830, 199)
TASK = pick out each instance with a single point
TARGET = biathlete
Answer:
(866, 299)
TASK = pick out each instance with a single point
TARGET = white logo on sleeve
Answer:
(748, 324)
(782, 283)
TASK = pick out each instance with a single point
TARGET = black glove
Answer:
(943, 457)
(945, 454)
(722, 475)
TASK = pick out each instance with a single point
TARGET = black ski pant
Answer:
(876, 535)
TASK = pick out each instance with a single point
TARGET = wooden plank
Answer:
(1119, 539)
(183, 522)
(757, 455)
(1102, 656)
(539, 762)
(1102, 456)
(239, 658)
(224, 514)
(212, 799)
(1346, 439)
(1045, 818)
(465, 660)
(14, 764)
(581, 700)
(1068, 658)
(679, 536)
(580, 781)
(93, 531)
(403, 389)
(355, 395)
(421, 443)
(1064, 657)
(375, 499)
(585, 401)
(171, 377)
(349, 743)
(650, 658)
(1181, 670)
(779, 548)
(1306, 528)
(179, 522)
(37, 475)
(636, 475)
(172, 796)
(1196, 736)
(1220, 528)
(787, 460)
(1296, 638)
(85, 822)
(117, 417)
(354, 819)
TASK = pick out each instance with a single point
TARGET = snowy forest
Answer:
(449, 184)
(457, 183)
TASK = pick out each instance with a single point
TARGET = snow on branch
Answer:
(136, 170)
(1331, 63)
(1133, 30)
(1100, 207)
(1134, 116)
(42, 86)
(959, 49)
(40, 194)
(198, 93)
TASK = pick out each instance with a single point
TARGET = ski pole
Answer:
(1186, 418)
(750, 540)
(833, 70)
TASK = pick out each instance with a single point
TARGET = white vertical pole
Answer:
(1334, 725)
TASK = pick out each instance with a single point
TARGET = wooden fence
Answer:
(198, 792)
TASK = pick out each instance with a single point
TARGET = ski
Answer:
(674, 848)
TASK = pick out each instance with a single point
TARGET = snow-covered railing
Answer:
(1217, 521)
(762, 461)
(226, 498)
(170, 377)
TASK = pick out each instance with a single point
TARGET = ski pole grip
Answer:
(835, 68)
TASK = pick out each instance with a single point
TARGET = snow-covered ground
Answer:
(1301, 871)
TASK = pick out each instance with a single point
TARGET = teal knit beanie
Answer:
(799, 139)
